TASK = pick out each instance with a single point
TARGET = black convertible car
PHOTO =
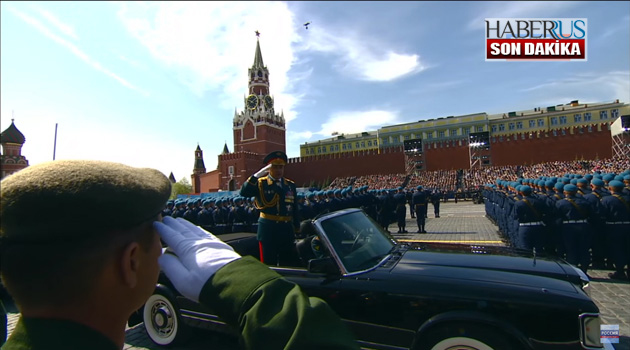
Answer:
(419, 296)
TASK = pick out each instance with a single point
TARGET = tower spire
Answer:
(258, 60)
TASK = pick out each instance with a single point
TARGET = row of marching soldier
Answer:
(584, 218)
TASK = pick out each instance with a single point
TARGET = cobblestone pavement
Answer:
(462, 222)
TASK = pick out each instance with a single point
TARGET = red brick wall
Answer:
(267, 140)
(245, 164)
(446, 158)
(319, 169)
(209, 182)
(588, 145)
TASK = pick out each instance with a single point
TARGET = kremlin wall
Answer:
(565, 132)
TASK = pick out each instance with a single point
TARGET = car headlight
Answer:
(586, 287)
(590, 330)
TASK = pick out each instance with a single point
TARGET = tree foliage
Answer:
(182, 186)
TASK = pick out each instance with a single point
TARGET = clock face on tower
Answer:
(252, 101)
(268, 101)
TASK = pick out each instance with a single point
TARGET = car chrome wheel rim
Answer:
(160, 320)
(461, 343)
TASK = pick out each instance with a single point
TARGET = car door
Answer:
(375, 316)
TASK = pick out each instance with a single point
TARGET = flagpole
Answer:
(55, 145)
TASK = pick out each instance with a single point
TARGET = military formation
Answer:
(240, 214)
(584, 218)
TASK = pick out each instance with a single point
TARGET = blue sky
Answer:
(143, 83)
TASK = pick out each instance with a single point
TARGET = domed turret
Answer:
(12, 135)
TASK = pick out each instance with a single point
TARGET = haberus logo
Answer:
(535, 39)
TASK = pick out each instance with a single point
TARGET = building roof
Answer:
(12, 135)
(225, 149)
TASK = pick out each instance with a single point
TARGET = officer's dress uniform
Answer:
(401, 211)
(408, 196)
(419, 200)
(384, 210)
(435, 200)
(279, 219)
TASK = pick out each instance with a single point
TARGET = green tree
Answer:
(182, 186)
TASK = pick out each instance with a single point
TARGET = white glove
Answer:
(198, 255)
(262, 172)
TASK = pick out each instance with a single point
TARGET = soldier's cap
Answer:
(570, 188)
(588, 177)
(549, 183)
(276, 158)
(627, 177)
(525, 189)
(582, 181)
(615, 184)
(597, 182)
(619, 178)
(419, 188)
(609, 177)
(72, 199)
(559, 186)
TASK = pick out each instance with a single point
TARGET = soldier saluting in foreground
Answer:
(76, 276)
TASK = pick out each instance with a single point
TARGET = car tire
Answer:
(162, 320)
(464, 336)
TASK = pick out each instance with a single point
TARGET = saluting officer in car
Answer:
(276, 197)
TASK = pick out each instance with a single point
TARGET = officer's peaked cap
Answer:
(276, 158)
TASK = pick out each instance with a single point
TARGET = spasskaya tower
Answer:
(258, 130)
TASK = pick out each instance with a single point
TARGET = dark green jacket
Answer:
(270, 312)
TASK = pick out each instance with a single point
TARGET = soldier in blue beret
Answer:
(276, 197)
(576, 213)
(220, 216)
(616, 211)
(168, 211)
(608, 177)
(205, 218)
(582, 185)
(530, 213)
(237, 217)
(600, 252)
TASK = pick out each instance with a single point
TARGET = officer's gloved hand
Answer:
(262, 172)
(198, 255)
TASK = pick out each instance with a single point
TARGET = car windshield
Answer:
(357, 240)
